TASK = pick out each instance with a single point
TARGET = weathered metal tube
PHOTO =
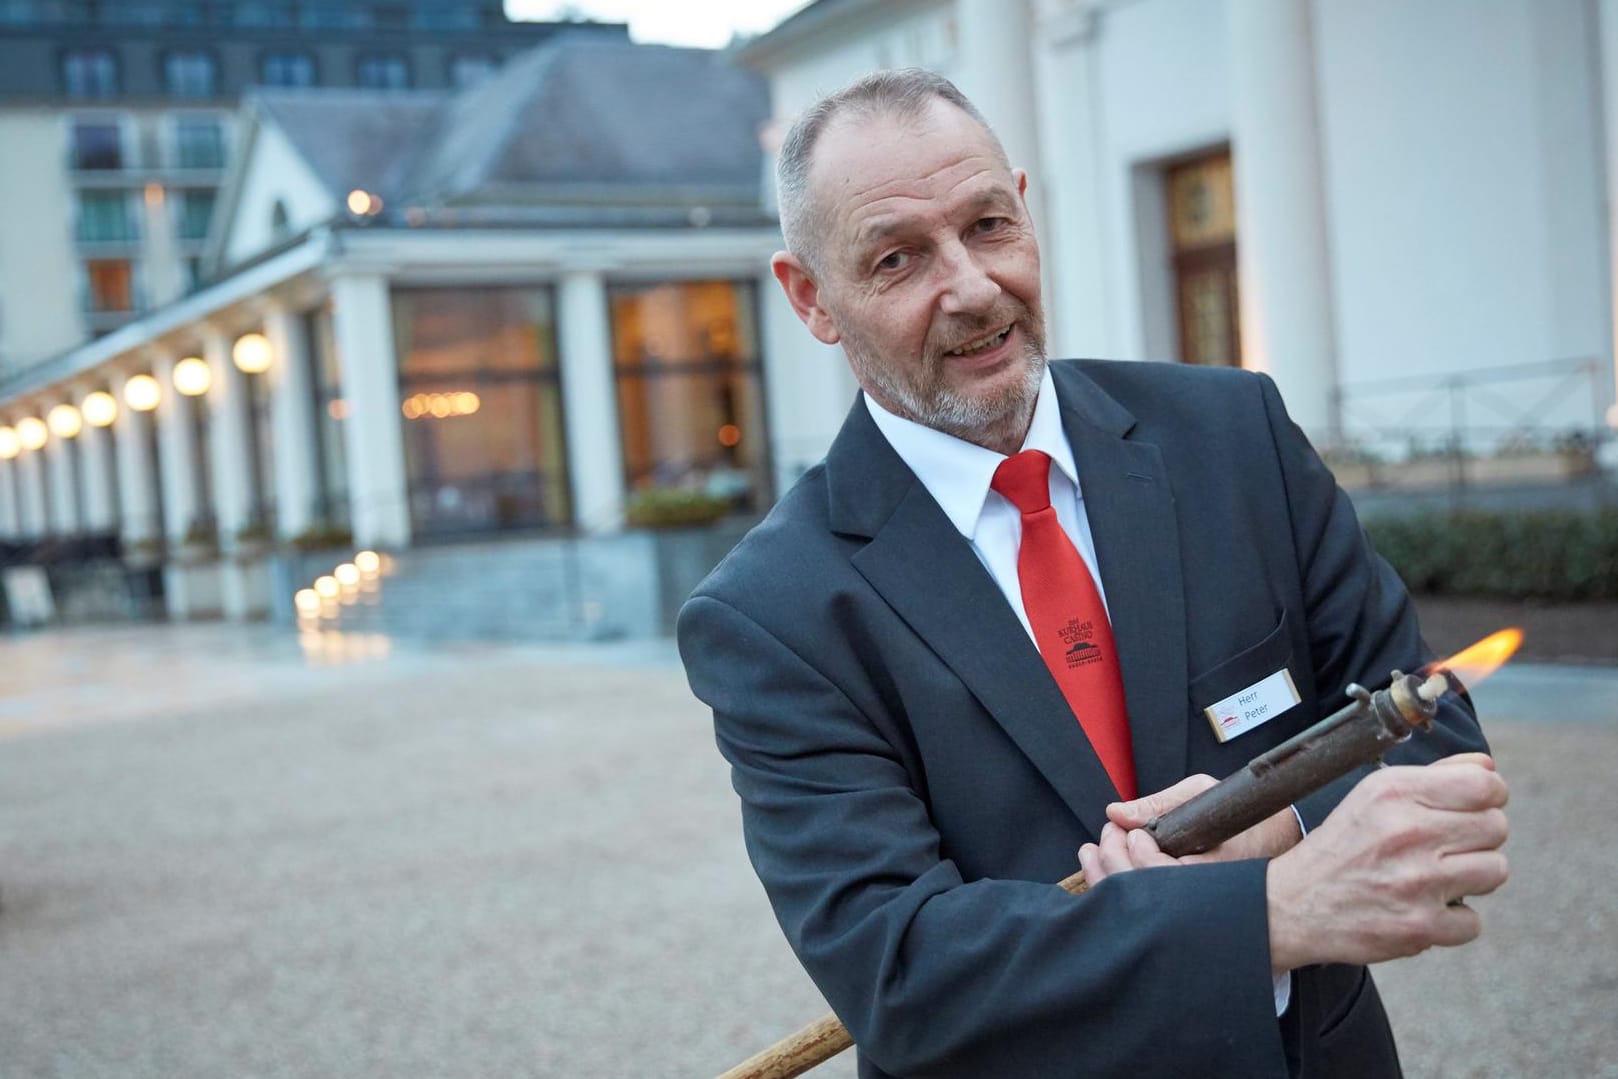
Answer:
(1357, 734)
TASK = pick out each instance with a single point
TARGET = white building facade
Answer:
(483, 350)
(1400, 212)
(1383, 205)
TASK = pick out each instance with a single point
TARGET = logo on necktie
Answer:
(1081, 649)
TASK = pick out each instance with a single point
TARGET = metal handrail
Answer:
(1514, 418)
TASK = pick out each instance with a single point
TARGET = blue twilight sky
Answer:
(705, 23)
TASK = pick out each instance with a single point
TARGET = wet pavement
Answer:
(223, 853)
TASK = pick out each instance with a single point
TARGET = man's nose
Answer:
(968, 288)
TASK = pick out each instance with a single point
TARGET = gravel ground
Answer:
(222, 857)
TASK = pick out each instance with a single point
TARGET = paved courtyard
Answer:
(223, 856)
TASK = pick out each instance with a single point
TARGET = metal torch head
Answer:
(1416, 698)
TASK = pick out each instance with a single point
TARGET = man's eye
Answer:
(893, 260)
(989, 224)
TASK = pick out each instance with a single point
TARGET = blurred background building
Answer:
(282, 281)
(117, 118)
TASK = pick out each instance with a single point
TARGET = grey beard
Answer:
(983, 422)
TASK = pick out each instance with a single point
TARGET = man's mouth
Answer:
(981, 344)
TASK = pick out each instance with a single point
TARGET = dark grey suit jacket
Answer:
(912, 780)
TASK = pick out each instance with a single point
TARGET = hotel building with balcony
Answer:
(430, 320)
(117, 124)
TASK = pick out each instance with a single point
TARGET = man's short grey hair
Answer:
(905, 93)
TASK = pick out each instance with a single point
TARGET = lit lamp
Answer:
(142, 393)
(362, 203)
(31, 433)
(252, 353)
(65, 421)
(192, 377)
(99, 409)
(10, 446)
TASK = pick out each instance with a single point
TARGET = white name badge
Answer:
(1257, 704)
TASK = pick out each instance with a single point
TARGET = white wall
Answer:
(1463, 186)
(1163, 92)
(40, 299)
(889, 36)
(276, 171)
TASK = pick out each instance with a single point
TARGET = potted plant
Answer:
(200, 542)
(253, 541)
(659, 508)
(143, 553)
(322, 538)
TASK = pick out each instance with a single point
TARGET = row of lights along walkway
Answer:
(326, 611)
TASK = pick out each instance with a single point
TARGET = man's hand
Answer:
(1384, 874)
(1125, 844)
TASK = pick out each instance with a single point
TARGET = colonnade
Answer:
(139, 469)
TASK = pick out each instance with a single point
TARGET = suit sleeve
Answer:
(936, 976)
(1362, 623)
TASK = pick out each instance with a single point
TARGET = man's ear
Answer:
(1021, 177)
(804, 296)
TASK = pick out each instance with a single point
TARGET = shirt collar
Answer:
(957, 473)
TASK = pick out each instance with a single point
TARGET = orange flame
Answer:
(1476, 662)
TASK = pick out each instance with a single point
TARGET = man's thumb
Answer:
(1135, 814)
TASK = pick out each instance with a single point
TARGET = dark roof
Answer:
(579, 124)
(356, 138)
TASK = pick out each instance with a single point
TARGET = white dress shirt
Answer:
(958, 473)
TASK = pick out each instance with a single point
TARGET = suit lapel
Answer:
(1130, 507)
(926, 571)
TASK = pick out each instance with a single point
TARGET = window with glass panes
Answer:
(481, 400)
(199, 143)
(383, 72)
(105, 218)
(89, 73)
(196, 210)
(97, 144)
(110, 285)
(690, 394)
(190, 74)
(288, 69)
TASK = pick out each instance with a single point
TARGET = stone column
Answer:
(997, 74)
(10, 520)
(137, 486)
(292, 418)
(64, 484)
(229, 449)
(378, 491)
(97, 473)
(808, 388)
(1076, 307)
(595, 455)
(33, 514)
(1288, 327)
(176, 452)
(1607, 14)
(228, 445)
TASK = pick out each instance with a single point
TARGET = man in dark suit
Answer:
(901, 725)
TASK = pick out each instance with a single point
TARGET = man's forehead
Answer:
(864, 161)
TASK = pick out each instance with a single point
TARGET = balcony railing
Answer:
(1522, 424)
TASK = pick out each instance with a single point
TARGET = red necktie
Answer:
(1068, 618)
